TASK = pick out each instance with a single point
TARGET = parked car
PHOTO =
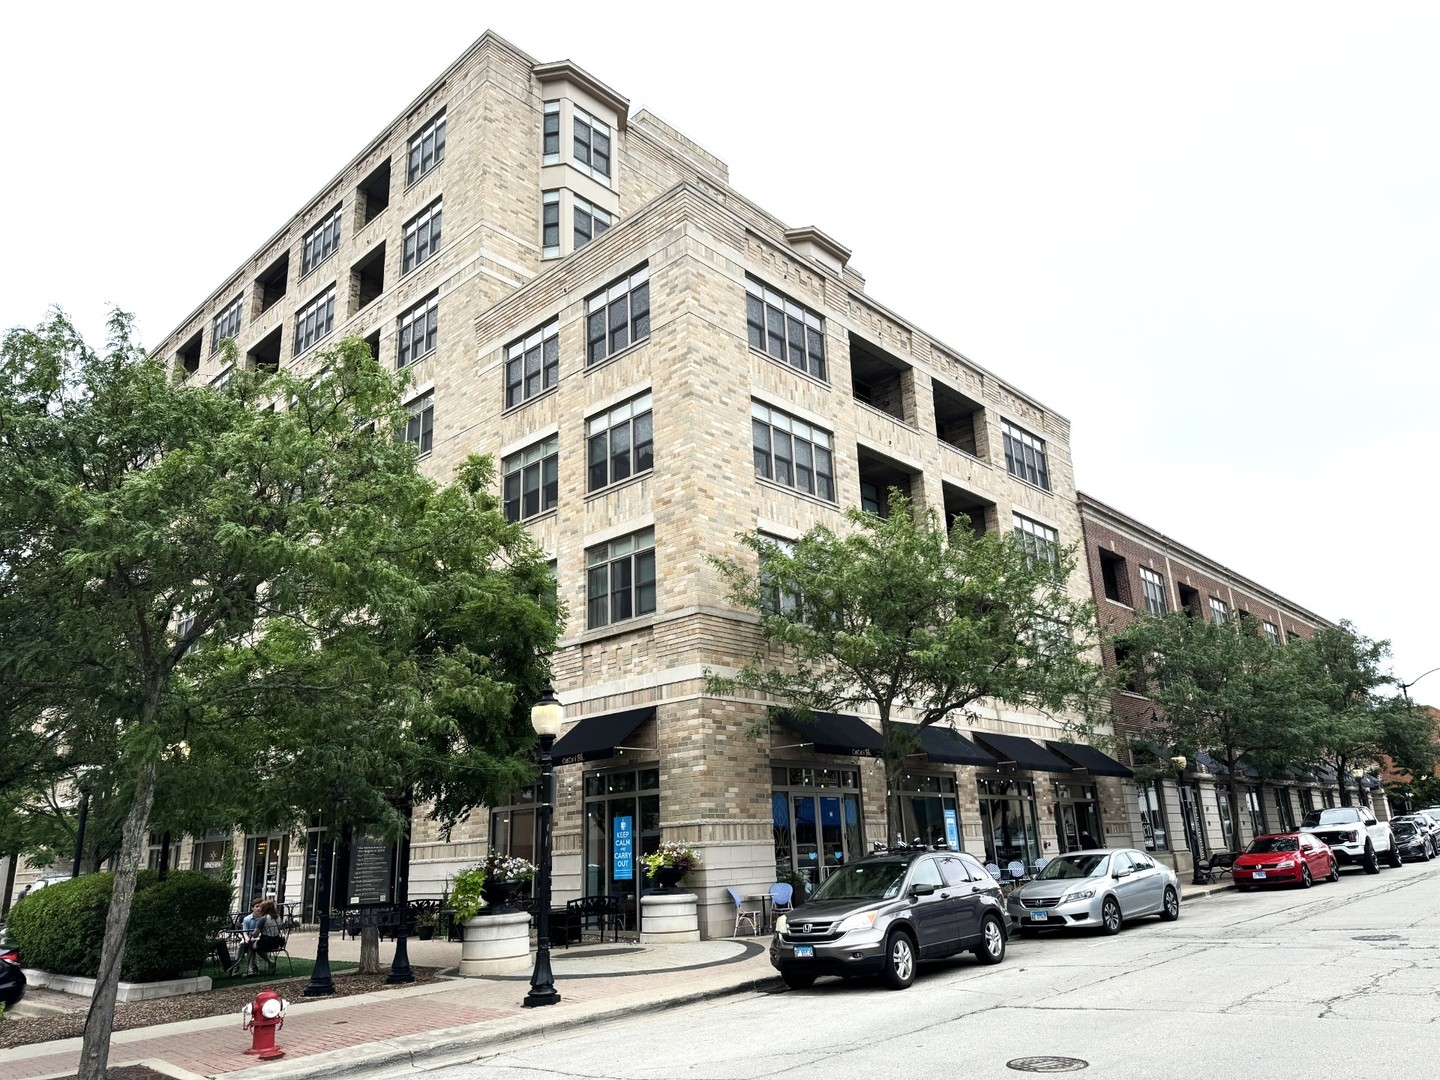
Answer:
(1430, 818)
(882, 913)
(1100, 888)
(1285, 859)
(12, 978)
(1413, 839)
(1354, 835)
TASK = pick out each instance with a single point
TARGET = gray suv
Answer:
(883, 913)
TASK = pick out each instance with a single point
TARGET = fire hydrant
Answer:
(264, 1016)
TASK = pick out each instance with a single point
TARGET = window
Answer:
(620, 579)
(1153, 586)
(1025, 455)
(422, 236)
(1039, 541)
(1152, 816)
(321, 242)
(225, 325)
(315, 320)
(592, 144)
(779, 327)
(791, 452)
(617, 316)
(1219, 611)
(550, 137)
(776, 600)
(427, 149)
(419, 327)
(532, 364)
(550, 225)
(1115, 578)
(1272, 632)
(532, 480)
(590, 222)
(420, 427)
(620, 443)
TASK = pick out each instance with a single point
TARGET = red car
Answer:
(1285, 859)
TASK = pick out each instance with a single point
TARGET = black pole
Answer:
(164, 869)
(321, 981)
(400, 971)
(542, 980)
(1187, 811)
(80, 835)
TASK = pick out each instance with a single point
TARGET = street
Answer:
(1343, 978)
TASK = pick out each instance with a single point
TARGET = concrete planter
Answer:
(669, 919)
(496, 945)
(128, 991)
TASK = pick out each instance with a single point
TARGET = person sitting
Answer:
(262, 936)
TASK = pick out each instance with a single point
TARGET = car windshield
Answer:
(1336, 815)
(1262, 845)
(863, 881)
(1404, 828)
(1073, 866)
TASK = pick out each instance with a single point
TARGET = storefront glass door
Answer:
(1077, 817)
(264, 869)
(622, 822)
(1008, 822)
(817, 825)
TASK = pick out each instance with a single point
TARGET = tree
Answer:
(176, 559)
(1219, 687)
(895, 614)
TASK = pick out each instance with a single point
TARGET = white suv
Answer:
(1354, 835)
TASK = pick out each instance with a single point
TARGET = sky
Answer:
(1206, 234)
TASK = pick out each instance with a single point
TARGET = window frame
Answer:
(1026, 457)
(544, 342)
(220, 328)
(593, 126)
(325, 299)
(321, 242)
(427, 225)
(1272, 632)
(549, 155)
(761, 335)
(426, 311)
(1152, 591)
(601, 309)
(540, 459)
(637, 553)
(599, 218)
(420, 419)
(434, 132)
(1219, 611)
(1031, 536)
(763, 414)
(627, 415)
(550, 224)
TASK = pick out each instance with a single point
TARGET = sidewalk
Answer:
(445, 1021)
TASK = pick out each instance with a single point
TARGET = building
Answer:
(658, 365)
(1136, 571)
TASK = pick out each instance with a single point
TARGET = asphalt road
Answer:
(1340, 980)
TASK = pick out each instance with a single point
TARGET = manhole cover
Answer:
(1047, 1064)
(1378, 937)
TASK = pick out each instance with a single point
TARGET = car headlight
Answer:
(864, 921)
(1285, 864)
(1083, 894)
(781, 924)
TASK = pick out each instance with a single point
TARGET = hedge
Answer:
(60, 928)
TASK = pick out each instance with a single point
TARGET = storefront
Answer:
(263, 875)
(1151, 799)
(1077, 817)
(622, 823)
(816, 815)
(1008, 822)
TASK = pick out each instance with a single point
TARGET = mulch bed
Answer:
(130, 1072)
(23, 1030)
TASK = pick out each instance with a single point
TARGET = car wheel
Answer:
(798, 980)
(1393, 856)
(899, 971)
(1430, 851)
(1305, 879)
(1170, 906)
(991, 949)
(1371, 862)
(1334, 874)
(1110, 920)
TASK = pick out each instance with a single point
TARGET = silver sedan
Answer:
(1100, 888)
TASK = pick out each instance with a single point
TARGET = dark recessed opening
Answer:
(1190, 600)
(374, 342)
(273, 283)
(1117, 581)
(367, 277)
(878, 378)
(957, 420)
(878, 474)
(189, 353)
(265, 354)
(374, 193)
(981, 513)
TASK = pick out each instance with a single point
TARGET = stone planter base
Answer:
(496, 945)
(127, 991)
(669, 919)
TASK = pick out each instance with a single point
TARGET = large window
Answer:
(1039, 541)
(422, 236)
(226, 324)
(590, 221)
(1219, 611)
(420, 423)
(315, 320)
(550, 135)
(1008, 823)
(513, 827)
(321, 242)
(592, 144)
(427, 149)
(622, 823)
(419, 329)
(777, 601)
(532, 364)
(620, 443)
(791, 452)
(1152, 816)
(817, 822)
(779, 327)
(617, 316)
(532, 479)
(1272, 632)
(929, 810)
(620, 579)
(1025, 455)
(1153, 586)
(550, 224)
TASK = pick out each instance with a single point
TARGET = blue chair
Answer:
(743, 913)
(780, 896)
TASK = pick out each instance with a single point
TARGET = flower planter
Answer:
(500, 896)
(669, 918)
(667, 879)
(496, 945)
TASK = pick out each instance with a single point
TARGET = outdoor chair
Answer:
(601, 910)
(269, 957)
(754, 915)
(781, 895)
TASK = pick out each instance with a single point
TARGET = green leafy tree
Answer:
(897, 614)
(176, 559)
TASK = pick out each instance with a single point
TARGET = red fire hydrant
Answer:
(264, 1016)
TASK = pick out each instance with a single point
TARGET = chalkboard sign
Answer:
(370, 865)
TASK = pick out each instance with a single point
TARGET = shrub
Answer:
(465, 897)
(61, 928)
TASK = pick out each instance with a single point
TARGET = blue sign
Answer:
(952, 830)
(624, 862)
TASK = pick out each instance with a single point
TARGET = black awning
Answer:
(945, 746)
(1023, 753)
(596, 737)
(835, 733)
(1095, 762)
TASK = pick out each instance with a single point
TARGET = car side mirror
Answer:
(1124, 871)
(921, 888)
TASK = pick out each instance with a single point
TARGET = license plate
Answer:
(804, 952)
(1259, 874)
(1039, 916)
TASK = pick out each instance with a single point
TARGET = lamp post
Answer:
(1359, 773)
(546, 716)
(1405, 686)
(1197, 876)
(82, 784)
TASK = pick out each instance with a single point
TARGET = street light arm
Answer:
(1405, 686)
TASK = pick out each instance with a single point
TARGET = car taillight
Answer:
(10, 956)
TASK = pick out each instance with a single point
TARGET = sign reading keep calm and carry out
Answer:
(624, 849)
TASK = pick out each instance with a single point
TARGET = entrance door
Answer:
(265, 869)
(622, 823)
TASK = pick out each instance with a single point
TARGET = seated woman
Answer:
(266, 938)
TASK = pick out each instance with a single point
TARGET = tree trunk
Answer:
(369, 949)
(95, 1049)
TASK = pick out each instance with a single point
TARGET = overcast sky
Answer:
(1207, 236)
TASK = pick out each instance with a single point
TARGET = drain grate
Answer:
(1047, 1064)
(1377, 937)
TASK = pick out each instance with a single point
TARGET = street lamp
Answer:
(1197, 876)
(546, 717)
(1405, 686)
(82, 784)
